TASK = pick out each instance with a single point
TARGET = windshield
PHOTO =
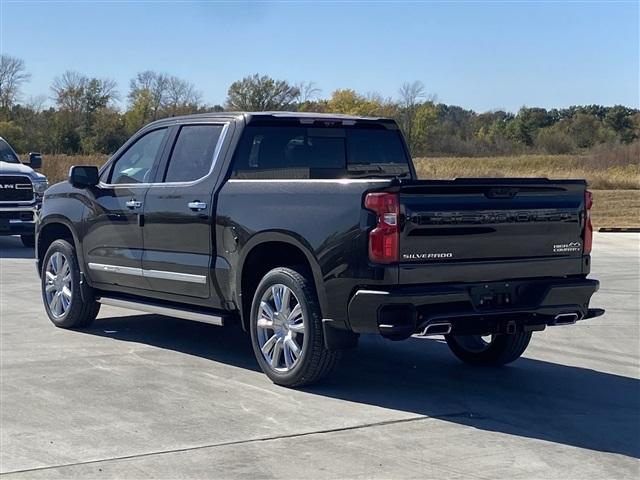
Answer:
(295, 152)
(7, 154)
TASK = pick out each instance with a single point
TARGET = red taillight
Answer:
(588, 228)
(384, 239)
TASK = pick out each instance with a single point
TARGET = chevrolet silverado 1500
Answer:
(310, 230)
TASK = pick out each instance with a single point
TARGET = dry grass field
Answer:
(615, 182)
(56, 167)
(616, 208)
(599, 175)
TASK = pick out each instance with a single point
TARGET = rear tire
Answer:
(286, 330)
(502, 349)
(60, 277)
(28, 241)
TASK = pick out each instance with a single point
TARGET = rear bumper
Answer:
(472, 308)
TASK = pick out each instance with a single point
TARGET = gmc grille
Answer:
(15, 188)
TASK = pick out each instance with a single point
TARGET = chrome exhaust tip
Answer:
(435, 329)
(566, 319)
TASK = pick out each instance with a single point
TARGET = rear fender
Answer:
(291, 239)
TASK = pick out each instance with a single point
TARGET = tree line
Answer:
(86, 116)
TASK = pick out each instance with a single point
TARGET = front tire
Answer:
(61, 288)
(286, 330)
(500, 349)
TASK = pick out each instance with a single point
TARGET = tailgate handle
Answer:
(502, 192)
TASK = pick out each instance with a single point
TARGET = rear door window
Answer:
(292, 152)
(193, 153)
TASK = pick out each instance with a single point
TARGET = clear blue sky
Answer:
(480, 55)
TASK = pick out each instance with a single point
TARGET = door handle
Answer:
(133, 203)
(197, 205)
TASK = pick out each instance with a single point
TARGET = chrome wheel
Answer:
(280, 328)
(58, 288)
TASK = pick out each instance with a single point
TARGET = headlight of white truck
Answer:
(39, 186)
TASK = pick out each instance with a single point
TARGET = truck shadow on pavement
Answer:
(531, 398)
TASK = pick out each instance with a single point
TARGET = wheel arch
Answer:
(52, 229)
(285, 250)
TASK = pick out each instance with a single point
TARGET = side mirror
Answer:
(83, 176)
(35, 160)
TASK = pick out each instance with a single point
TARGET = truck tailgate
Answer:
(491, 220)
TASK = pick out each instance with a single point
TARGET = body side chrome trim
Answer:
(162, 310)
(101, 267)
(178, 276)
(183, 277)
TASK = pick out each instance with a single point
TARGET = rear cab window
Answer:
(275, 151)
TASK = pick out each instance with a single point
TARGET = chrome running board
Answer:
(149, 307)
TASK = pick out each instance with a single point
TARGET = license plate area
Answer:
(506, 295)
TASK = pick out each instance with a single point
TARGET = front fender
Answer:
(64, 208)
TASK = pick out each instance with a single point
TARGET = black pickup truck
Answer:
(311, 229)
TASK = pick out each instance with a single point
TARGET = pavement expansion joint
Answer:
(241, 442)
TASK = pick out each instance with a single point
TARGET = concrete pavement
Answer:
(144, 396)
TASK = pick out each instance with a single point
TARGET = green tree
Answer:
(411, 96)
(36, 125)
(528, 121)
(555, 140)
(81, 100)
(261, 93)
(140, 112)
(151, 85)
(13, 134)
(619, 119)
(349, 102)
(583, 128)
(423, 126)
(69, 92)
(65, 133)
(157, 95)
(108, 132)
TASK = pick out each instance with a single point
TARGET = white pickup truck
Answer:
(21, 191)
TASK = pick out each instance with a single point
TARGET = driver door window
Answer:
(136, 164)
